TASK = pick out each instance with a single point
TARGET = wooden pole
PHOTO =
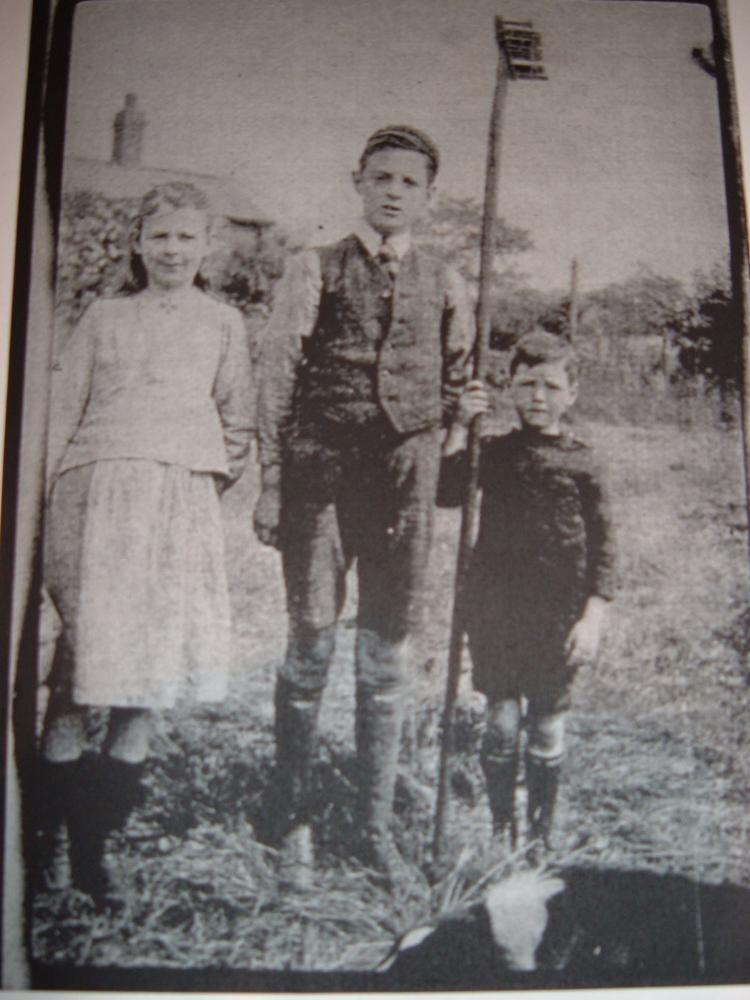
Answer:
(573, 303)
(471, 504)
(736, 208)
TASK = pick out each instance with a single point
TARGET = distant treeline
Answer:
(646, 334)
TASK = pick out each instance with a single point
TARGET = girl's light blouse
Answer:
(148, 377)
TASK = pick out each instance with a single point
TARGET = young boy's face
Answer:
(395, 189)
(172, 245)
(542, 394)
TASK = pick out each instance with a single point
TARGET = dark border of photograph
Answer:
(39, 213)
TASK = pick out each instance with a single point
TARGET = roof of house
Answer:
(226, 197)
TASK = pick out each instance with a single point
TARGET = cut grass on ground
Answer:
(657, 776)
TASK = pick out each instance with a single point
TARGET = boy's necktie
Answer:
(388, 259)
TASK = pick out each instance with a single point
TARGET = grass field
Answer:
(658, 772)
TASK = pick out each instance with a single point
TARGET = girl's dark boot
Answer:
(53, 785)
(107, 791)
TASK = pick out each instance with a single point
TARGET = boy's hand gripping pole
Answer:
(519, 57)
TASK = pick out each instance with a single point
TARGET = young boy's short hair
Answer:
(403, 137)
(541, 347)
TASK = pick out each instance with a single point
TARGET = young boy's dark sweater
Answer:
(544, 547)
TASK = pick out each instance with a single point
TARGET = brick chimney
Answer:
(128, 127)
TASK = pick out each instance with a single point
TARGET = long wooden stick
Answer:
(471, 503)
(737, 207)
(573, 303)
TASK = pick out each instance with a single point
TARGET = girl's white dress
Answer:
(151, 413)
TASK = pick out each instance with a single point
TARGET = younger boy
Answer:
(365, 352)
(541, 573)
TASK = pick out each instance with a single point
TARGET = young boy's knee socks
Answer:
(542, 780)
(544, 756)
(500, 767)
(499, 760)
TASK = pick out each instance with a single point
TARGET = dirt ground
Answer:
(657, 775)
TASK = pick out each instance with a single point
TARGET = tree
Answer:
(94, 258)
(245, 274)
(518, 310)
(93, 253)
(452, 231)
(710, 341)
(648, 304)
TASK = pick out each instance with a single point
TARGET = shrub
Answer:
(93, 259)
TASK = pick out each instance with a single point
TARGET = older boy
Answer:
(365, 352)
(542, 571)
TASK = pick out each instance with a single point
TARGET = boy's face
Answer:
(395, 189)
(172, 245)
(542, 394)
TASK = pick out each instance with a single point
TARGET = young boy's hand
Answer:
(266, 517)
(473, 401)
(582, 643)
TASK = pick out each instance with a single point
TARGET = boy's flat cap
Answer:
(403, 137)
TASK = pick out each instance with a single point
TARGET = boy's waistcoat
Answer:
(373, 353)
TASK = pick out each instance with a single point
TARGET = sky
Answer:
(615, 159)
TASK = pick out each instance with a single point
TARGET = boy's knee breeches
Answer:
(308, 657)
(377, 507)
(381, 663)
(373, 504)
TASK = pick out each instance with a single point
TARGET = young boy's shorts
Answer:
(510, 663)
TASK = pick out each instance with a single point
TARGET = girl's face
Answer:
(172, 244)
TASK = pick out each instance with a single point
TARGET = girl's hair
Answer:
(168, 197)
(541, 347)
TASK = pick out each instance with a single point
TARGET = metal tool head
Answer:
(522, 48)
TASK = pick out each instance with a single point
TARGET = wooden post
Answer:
(573, 303)
(737, 209)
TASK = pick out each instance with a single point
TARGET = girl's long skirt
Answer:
(134, 562)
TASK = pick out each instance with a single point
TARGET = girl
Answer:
(151, 407)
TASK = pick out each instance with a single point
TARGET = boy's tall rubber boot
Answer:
(106, 792)
(378, 737)
(542, 780)
(296, 728)
(500, 774)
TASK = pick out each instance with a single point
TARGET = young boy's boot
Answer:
(500, 774)
(378, 737)
(542, 780)
(106, 791)
(296, 727)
